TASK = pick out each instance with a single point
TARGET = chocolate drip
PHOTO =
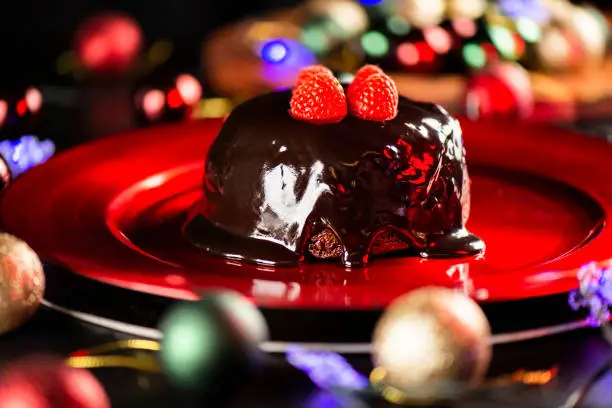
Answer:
(274, 184)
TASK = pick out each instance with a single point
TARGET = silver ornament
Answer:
(22, 282)
(430, 345)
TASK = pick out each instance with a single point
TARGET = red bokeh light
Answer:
(407, 54)
(426, 53)
(153, 103)
(22, 107)
(438, 39)
(174, 99)
(34, 99)
(490, 52)
(3, 111)
(189, 88)
(108, 42)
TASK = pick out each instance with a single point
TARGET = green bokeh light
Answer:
(315, 38)
(504, 41)
(398, 25)
(474, 55)
(375, 44)
(528, 29)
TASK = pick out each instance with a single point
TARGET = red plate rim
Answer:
(62, 207)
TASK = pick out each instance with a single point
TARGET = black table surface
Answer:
(577, 355)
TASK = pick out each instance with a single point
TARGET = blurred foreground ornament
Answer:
(22, 282)
(41, 381)
(108, 43)
(502, 89)
(430, 345)
(213, 343)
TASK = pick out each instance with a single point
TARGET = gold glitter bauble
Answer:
(430, 345)
(22, 282)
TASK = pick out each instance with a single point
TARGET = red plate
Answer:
(112, 210)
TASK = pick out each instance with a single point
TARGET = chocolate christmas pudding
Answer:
(326, 172)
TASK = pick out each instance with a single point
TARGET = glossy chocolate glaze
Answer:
(273, 181)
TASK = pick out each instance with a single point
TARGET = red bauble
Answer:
(47, 382)
(503, 89)
(108, 43)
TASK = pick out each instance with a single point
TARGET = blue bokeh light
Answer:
(535, 10)
(24, 153)
(282, 73)
(326, 369)
(370, 3)
(275, 51)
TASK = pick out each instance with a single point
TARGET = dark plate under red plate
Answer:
(112, 211)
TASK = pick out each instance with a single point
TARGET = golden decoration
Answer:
(22, 282)
(430, 345)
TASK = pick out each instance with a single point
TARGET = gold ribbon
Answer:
(141, 361)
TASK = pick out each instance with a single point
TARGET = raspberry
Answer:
(361, 75)
(365, 71)
(309, 71)
(319, 98)
(373, 98)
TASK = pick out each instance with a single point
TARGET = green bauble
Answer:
(211, 343)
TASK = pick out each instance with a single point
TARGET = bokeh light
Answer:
(398, 26)
(536, 10)
(22, 107)
(315, 38)
(370, 3)
(407, 54)
(375, 44)
(554, 49)
(586, 28)
(109, 42)
(282, 74)
(189, 88)
(438, 39)
(474, 55)
(426, 53)
(464, 27)
(471, 9)
(504, 41)
(3, 111)
(274, 51)
(423, 13)
(26, 152)
(34, 99)
(175, 100)
(153, 103)
(529, 29)
(491, 53)
(344, 19)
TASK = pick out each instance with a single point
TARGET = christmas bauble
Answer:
(22, 282)
(213, 342)
(586, 26)
(47, 382)
(502, 89)
(344, 18)
(431, 344)
(421, 13)
(108, 43)
(470, 9)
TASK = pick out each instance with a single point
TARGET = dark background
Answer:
(34, 33)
